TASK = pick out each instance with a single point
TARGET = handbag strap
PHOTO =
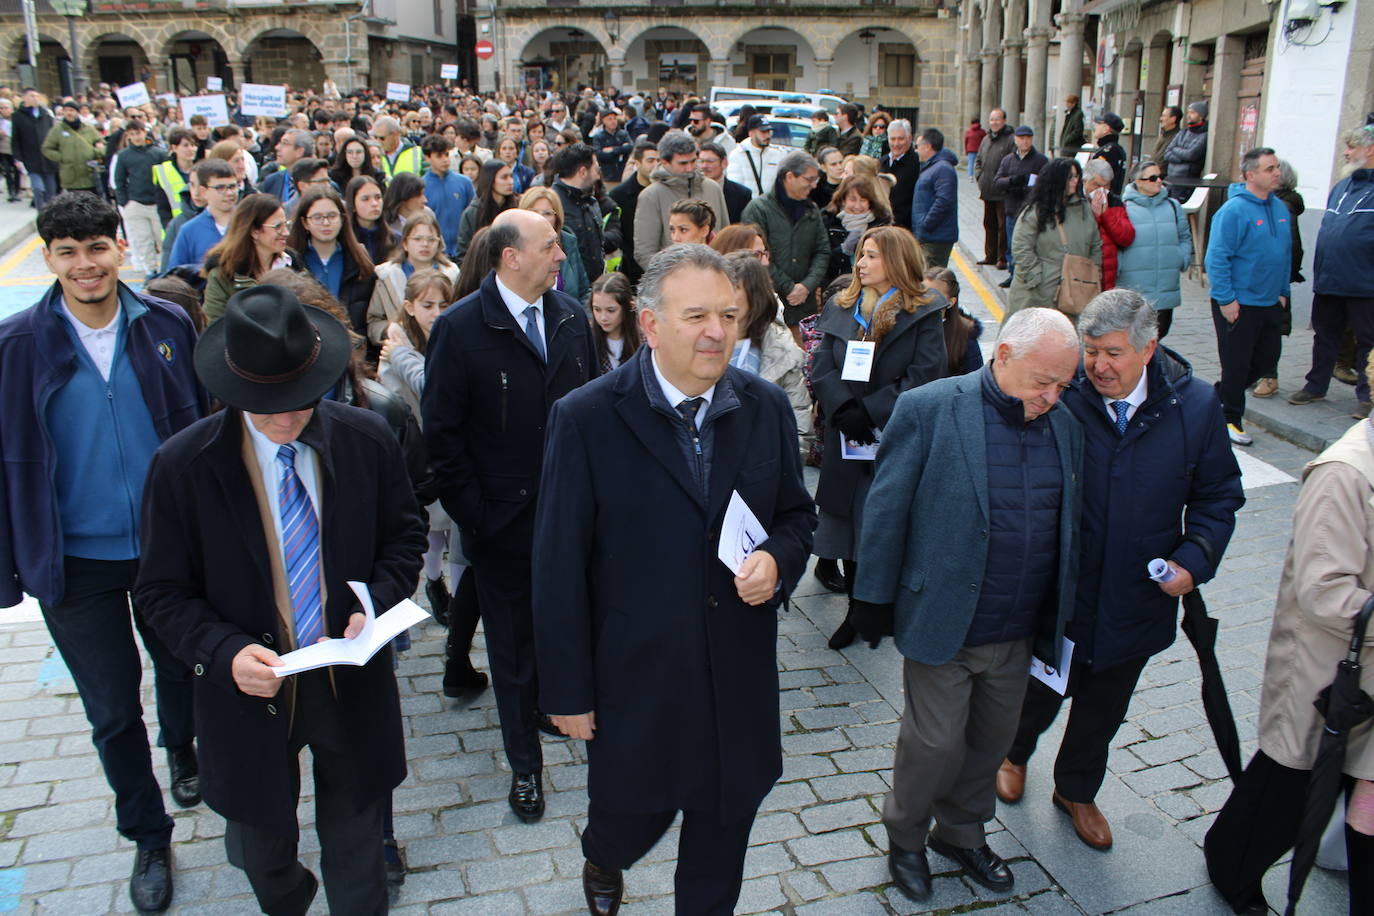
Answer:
(1063, 238)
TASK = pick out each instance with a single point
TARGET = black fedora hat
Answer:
(271, 354)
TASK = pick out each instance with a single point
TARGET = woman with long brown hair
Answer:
(615, 328)
(323, 234)
(858, 204)
(891, 316)
(495, 193)
(254, 243)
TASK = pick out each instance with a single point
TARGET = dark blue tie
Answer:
(532, 331)
(1121, 408)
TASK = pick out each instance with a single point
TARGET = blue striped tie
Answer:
(300, 534)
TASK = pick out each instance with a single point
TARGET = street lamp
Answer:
(612, 26)
(72, 9)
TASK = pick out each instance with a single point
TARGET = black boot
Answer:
(828, 573)
(459, 675)
(437, 593)
(185, 775)
(844, 634)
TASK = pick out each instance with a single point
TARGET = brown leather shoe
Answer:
(603, 887)
(1088, 822)
(1011, 782)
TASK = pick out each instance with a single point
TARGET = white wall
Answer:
(415, 19)
(1302, 107)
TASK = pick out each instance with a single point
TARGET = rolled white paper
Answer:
(1160, 570)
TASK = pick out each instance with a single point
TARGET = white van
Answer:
(721, 95)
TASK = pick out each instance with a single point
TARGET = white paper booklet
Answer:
(377, 632)
(740, 533)
(1055, 679)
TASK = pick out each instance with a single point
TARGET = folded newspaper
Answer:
(376, 632)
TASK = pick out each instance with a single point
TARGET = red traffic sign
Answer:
(485, 49)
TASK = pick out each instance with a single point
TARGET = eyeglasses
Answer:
(279, 227)
(425, 239)
(1150, 178)
(324, 219)
(221, 188)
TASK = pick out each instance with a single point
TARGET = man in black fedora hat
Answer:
(254, 520)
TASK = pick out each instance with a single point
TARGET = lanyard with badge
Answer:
(858, 354)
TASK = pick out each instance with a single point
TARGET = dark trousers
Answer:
(350, 836)
(1165, 319)
(710, 854)
(936, 254)
(1100, 700)
(91, 629)
(995, 241)
(1247, 348)
(1009, 228)
(1259, 824)
(10, 172)
(957, 723)
(1331, 316)
(503, 595)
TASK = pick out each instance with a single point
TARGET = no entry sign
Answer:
(485, 49)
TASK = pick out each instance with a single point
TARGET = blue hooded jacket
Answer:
(1249, 251)
(935, 200)
(1341, 264)
(37, 358)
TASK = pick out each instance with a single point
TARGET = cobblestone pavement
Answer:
(818, 846)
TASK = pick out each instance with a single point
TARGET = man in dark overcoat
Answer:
(253, 521)
(496, 362)
(650, 648)
(1157, 463)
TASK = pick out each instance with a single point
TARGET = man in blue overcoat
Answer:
(969, 550)
(1157, 464)
(649, 647)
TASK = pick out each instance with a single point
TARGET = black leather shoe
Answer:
(981, 864)
(461, 679)
(1005, 284)
(437, 593)
(603, 887)
(150, 886)
(527, 796)
(185, 776)
(395, 863)
(910, 870)
(828, 574)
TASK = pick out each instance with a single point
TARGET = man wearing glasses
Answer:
(204, 231)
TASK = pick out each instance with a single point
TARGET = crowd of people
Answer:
(518, 349)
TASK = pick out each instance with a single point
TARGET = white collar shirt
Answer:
(517, 305)
(675, 396)
(100, 343)
(1135, 398)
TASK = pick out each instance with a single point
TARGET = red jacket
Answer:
(973, 138)
(1117, 232)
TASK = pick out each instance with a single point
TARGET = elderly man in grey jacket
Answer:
(989, 455)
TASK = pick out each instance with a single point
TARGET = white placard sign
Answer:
(257, 99)
(448, 71)
(213, 107)
(398, 92)
(132, 95)
(214, 83)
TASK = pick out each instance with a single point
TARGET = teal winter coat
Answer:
(1162, 250)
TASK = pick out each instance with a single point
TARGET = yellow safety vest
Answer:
(167, 177)
(407, 160)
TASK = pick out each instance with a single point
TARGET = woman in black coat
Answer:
(323, 233)
(889, 305)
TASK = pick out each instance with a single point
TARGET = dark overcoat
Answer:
(205, 586)
(925, 530)
(909, 355)
(637, 619)
(485, 405)
(1173, 471)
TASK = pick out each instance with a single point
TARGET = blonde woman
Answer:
(572, 275)
(421, 246)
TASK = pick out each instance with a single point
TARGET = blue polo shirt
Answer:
(329, 273)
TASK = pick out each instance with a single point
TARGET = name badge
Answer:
(858, 361)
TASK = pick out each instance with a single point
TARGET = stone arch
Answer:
(193, 55)
(50, 50)
(278, 55)
(645, 52)
(206, 29)
(565, 56)
(643, 25)
(114, 57)
(825, 47)
(725, 48)
(592, 28)
(861, 69)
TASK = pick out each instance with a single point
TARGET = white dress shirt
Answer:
(517, 306)
(100, 343)
(1135, 398)
(266, 452)
(676, 397)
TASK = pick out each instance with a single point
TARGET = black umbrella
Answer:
(1201, 631)
(1344, 706)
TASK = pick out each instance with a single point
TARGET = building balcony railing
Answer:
(630, 7)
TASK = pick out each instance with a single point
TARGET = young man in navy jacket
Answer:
(93, 378)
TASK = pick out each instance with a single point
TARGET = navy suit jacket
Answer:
(924, 546)
(637, 618)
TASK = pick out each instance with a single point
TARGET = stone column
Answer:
(1014, 28)
(992, 41)
(1037, 76)
(161, 69)
(1070, 57)
(1224, 107)
(236, 72)
(969, 65)
(1127, 85)
(720, 72)
(823, 73)
(618, 72)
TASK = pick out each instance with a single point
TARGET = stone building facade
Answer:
(175, 45)
(899, 53)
